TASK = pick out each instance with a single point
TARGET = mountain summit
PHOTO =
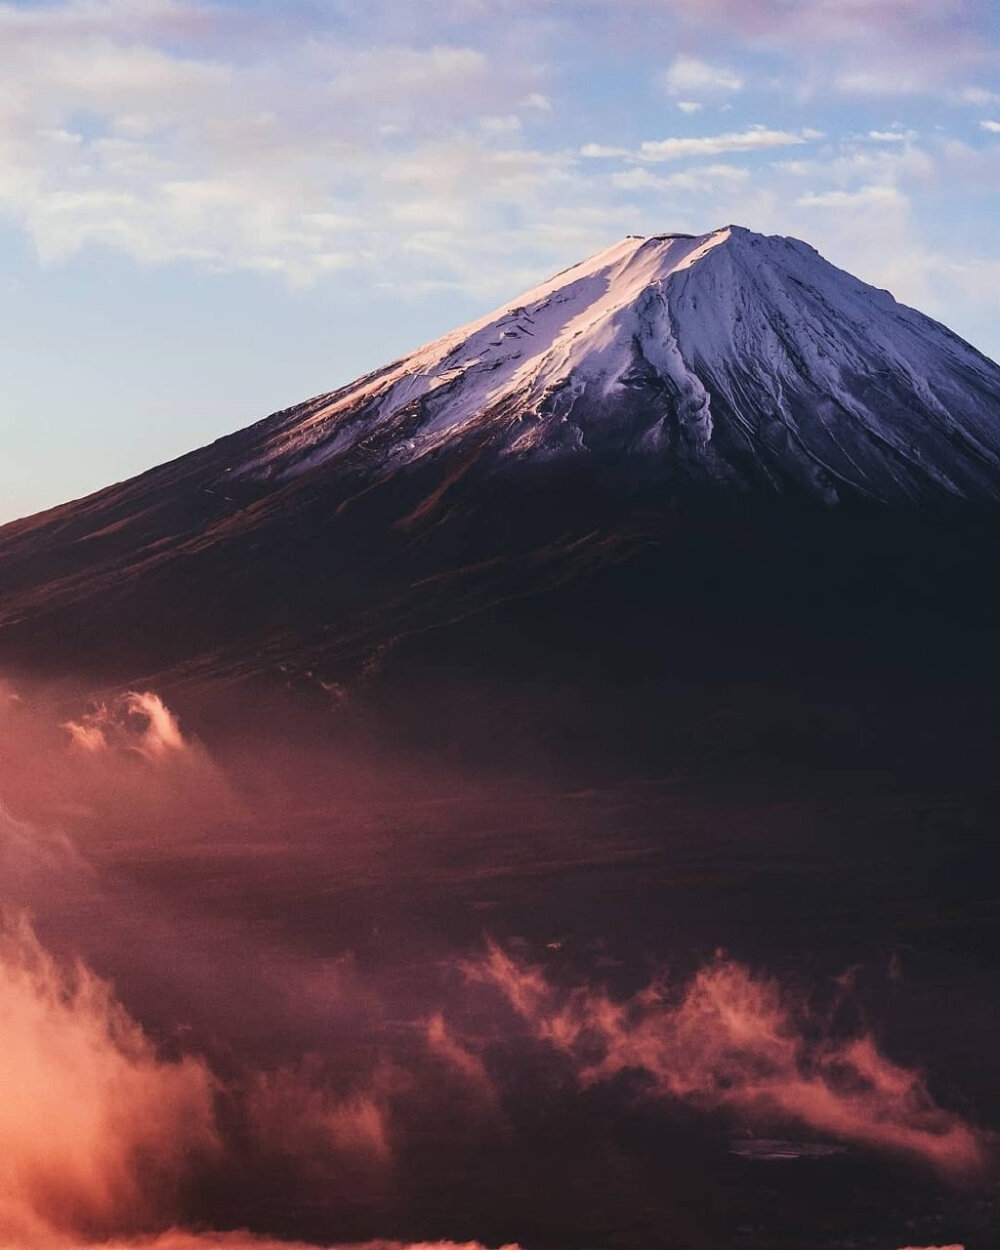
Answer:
(728, 358)
(663, 394)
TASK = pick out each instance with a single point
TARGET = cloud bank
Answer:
(378, 150)
(253, 1058)
(99, 1133)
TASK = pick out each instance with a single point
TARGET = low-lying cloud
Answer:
(121, 761)
(178, 1240)
(735, 1041)
(256, 1038)
(139, 721)
(97, 1130)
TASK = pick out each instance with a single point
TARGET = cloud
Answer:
(979, 97)
(100, 1134)
(688, 76)
(992, 126)
(876, 194)
(185, 131)
(702, 179)
(872, 47)
(97, 1131)
(123, 762)
(296, 1113)
(103, 1132)
(323, 1101)
(420, 153)
(733, 1041)
(891, 136)
(753, 139)
(508, 124)
(603, 151)
(461, 1059)
(139, 722)
(885, 79)
(179, 1240)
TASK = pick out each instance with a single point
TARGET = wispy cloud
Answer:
(280, 148)
(753, 139)
(690, 77)
(702, 179)
(875, 194)
(891, 136)
(977, 97)
(444, 151)
(732, 1040)
(866, 47)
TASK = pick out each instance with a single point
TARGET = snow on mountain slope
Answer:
(652, 402)
(729, 357)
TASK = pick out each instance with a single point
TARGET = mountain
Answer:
(726, 358)
(728, 401)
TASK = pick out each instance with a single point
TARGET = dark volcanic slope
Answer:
(729, 419)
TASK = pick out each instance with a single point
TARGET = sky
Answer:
(210, 211)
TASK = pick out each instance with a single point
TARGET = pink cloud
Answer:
(460, 1059)
(97, 1131)
(139, 721)
(179, 1239)
(733, 1040)
(295, 1113)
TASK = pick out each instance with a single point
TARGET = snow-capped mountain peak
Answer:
(729, 357)
(686, 399)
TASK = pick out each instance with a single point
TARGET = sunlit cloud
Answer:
(139, 1113)
(752, 139)
(952, 1245)
(96, 1130)
(730, 1040)
(277, 149)
(894, 47)
(383, 151)
(179, 1240)
(139, 722)
(100, 1133)
(652, 151)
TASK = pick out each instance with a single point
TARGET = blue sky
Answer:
(212, 210)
